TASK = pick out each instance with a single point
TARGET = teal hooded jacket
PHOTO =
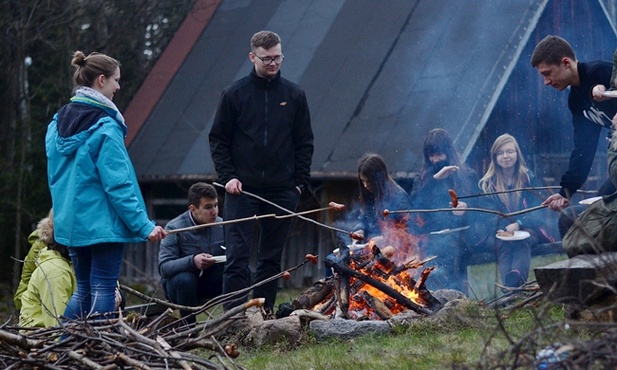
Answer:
(95, 194)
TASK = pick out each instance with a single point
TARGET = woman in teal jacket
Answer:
(97, 203)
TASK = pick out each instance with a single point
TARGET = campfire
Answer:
(373, 283)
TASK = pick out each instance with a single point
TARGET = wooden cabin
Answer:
(378, 77)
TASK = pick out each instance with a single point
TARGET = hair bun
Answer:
(79, 59)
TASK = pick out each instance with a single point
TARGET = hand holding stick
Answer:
(332, 205)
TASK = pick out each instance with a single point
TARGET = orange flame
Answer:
(399, 247)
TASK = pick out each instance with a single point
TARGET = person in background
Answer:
(555, 61)
(97, 202)
(443, 170)
(51, 283)
(594, 232)
(261, 141)
(38, 239)
(189, 273)
(508, 171)
(378, 192)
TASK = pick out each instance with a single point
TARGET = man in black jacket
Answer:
(261, 141)
(555, 61)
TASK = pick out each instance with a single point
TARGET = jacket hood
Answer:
(47, 254)
(45, 230)
(76, 121)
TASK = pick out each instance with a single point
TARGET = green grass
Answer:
(467, 337)
(461, 338)
(482, 277)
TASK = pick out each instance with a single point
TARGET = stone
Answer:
(446, 295)
(404, 318)
(285, 330)
(346, 329)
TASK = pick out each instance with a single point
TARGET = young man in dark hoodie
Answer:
(556, 62)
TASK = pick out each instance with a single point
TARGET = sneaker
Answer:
(512, 279)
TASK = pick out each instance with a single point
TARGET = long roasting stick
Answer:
(256, 217)
(522, 211)
(335, 206)
(523, 189)
(295, 214)
(196, 227)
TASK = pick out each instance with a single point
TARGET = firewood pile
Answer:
(131, 342)
(134, 341)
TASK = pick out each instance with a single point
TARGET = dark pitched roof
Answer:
(167, 66)
(378, 77)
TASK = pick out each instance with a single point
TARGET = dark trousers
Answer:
(239, 239)
(450, 250)
(189, 289)
(515, 256)
(568, 216)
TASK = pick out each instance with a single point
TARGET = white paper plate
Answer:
(352, 248)
(219, 259)
(518, 235)
(610, 93)
(590, 200)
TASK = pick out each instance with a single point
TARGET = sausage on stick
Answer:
(454, 198)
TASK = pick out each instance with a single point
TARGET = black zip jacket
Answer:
(588, 119)
(262, 134)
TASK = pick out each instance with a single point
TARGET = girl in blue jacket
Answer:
(97, 203)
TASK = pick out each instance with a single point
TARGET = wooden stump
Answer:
(582, 280)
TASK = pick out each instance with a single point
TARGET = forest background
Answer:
(39, 38)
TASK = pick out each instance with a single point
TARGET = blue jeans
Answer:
(97, 268)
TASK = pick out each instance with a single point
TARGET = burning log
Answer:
(327, 305)
(412, 264)
(309, 315)
(423, 277)
(378, 306)
(315, 294)
(424, 293)
(342, 284)
(340, 267)
(382, 260)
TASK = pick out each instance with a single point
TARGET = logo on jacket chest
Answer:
(598, 117)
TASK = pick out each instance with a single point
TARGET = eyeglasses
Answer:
(510, 153)
(268, 60)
